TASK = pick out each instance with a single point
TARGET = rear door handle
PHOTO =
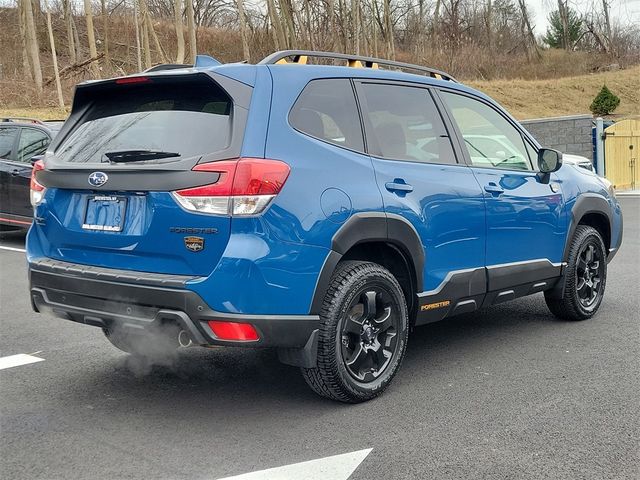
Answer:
(493, 189)
(398, 186)
(15, 172)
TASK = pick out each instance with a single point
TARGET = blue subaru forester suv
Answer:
(321, 209)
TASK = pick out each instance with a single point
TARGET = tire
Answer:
(585, 277)
(363, 334)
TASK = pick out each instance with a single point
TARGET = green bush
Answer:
(605, 102)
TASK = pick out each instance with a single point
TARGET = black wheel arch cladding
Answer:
(367, 227)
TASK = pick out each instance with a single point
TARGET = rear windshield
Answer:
(188, 119)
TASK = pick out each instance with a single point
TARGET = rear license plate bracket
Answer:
(105, 213)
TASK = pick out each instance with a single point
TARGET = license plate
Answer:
(105, 213)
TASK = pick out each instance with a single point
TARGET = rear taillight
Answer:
(245, 187)
(37, 190)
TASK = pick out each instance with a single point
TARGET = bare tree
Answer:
(31, 42)
(563, 11)
(68, 22)
(191, 27)
(52, 43)
(91, 38)
(527, 31)
(243, 30)
(105, 27)
(179, 30)
(136, 23)
(144, 30)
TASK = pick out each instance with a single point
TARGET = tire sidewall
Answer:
(588, 235)
(381, 279)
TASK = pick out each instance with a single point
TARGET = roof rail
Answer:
(301, 56)
(21, 119)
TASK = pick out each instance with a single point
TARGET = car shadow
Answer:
(237, 379)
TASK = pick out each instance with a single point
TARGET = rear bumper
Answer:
(139, 302)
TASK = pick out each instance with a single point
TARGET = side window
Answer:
(490, 139)
(7, 140)
(407, 124)
(326, 109)
(32, 142)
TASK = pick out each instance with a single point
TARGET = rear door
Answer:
(124, 163)
(525, 226)
(8, 146)
(31, 142)
(421, 180)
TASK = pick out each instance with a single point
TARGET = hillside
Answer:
(523, 98)
(564, 96)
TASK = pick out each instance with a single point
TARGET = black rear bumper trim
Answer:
(138, 307)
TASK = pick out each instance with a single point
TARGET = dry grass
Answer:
(523, 98)
(41, 113)
(564, 96)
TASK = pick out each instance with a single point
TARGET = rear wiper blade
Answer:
(123, 156)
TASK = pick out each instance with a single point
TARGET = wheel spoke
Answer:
(356, 360)
(582, 264)
(353, 325)
(380, 358)
(369, 301)
(384, 322)
(589, 254)
(581, 283)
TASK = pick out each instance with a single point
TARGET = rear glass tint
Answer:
(187, 118)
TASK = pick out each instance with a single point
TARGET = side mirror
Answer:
(549, 160)
(35, 158)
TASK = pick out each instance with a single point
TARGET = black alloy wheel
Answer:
(585, 277)
(363, 333)
(369, 334)
(589, 272)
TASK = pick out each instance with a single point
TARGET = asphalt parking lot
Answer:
(508, 392)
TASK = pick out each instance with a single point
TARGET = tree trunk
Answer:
(105, 27)
(527, 31)
(279, 38)
(31, 41)
(388, 25)
(154, 37)
(563, 10)
(488, 24)
(177, 7)
(243, 30)
(435, 28)
(607, 25)
(145, 33)
(26, 66)
(355, 14)
(136, 23)
(332, 23)
(191, 28)
(91, 37)
(307, 13)
(68, 22)
(56, 72)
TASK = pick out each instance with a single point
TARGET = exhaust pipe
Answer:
(184, 340)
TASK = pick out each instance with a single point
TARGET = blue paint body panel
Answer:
(271, 264)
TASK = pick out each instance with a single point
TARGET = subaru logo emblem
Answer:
(97, 179)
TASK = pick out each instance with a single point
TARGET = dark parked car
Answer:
(21, 139)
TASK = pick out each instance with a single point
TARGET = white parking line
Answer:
(337, 467)
(12, 249)
(17, 360)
